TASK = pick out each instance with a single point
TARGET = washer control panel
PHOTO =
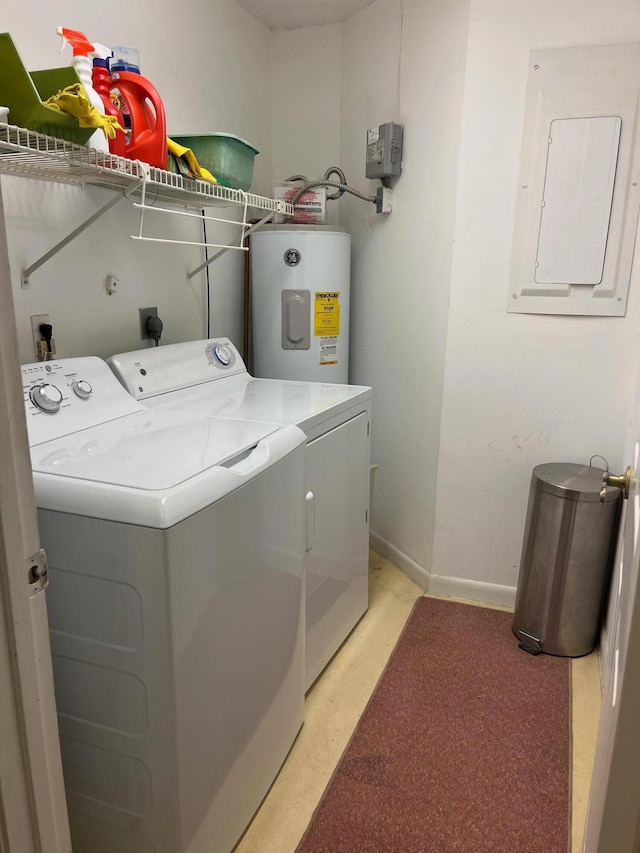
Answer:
(66, 395)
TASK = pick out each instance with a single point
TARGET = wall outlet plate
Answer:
(36, 320)
(384, 200)
(111, 284)
(145, 313)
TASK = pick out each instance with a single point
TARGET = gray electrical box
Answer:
(384, 151)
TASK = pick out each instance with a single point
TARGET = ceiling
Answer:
(291, 14)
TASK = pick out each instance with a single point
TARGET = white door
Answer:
(337, 567)
(33, 815)
(614, 805)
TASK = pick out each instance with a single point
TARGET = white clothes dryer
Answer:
(175, 548)
(210, 378)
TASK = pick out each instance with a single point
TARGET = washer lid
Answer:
(148, 450)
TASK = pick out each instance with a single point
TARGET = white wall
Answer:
(519, 389)
(210, 63)
(467, 399)
(401, 263)
(306, 66)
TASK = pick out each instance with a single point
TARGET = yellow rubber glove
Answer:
(187, 154)
(74, 101)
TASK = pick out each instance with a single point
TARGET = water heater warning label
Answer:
(326, 315)
(329, 350)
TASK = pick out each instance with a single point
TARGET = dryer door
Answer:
(337, 566)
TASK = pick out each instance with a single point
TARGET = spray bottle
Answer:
(82, 48)
(101, 78)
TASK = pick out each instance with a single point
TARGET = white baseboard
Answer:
(470, 590)
(467, 590)
(416, 572)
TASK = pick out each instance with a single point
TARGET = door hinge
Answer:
(38, 571)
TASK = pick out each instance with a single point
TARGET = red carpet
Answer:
(465, 746)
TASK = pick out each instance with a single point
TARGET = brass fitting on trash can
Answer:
(619, 481)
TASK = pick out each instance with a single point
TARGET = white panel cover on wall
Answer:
(578, 191)
(576, 202)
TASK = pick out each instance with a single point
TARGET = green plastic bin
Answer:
(229, 158)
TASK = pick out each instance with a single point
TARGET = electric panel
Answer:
(384, 151)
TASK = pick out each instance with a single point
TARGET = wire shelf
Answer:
(35, 155)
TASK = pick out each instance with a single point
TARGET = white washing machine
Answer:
(209, 378)
(175, 548)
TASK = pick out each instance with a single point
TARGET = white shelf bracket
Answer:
(226, 248)
(28, 272)
(142, 206)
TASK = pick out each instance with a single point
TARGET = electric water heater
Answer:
(300, 278)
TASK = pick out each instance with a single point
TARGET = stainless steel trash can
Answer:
(566, 555)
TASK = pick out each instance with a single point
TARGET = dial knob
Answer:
(223, 355)
(46, 397)
(82, 388)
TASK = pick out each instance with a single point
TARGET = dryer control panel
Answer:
(158, 370)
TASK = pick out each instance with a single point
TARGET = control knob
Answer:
(46, 397)
(223, 355)
(82, 388)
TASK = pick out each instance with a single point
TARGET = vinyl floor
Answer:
(338, 698)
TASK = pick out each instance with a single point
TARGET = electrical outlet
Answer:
(36, 320)
(112, 284)
(145, 313)
(44, 354)
(384, 200)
